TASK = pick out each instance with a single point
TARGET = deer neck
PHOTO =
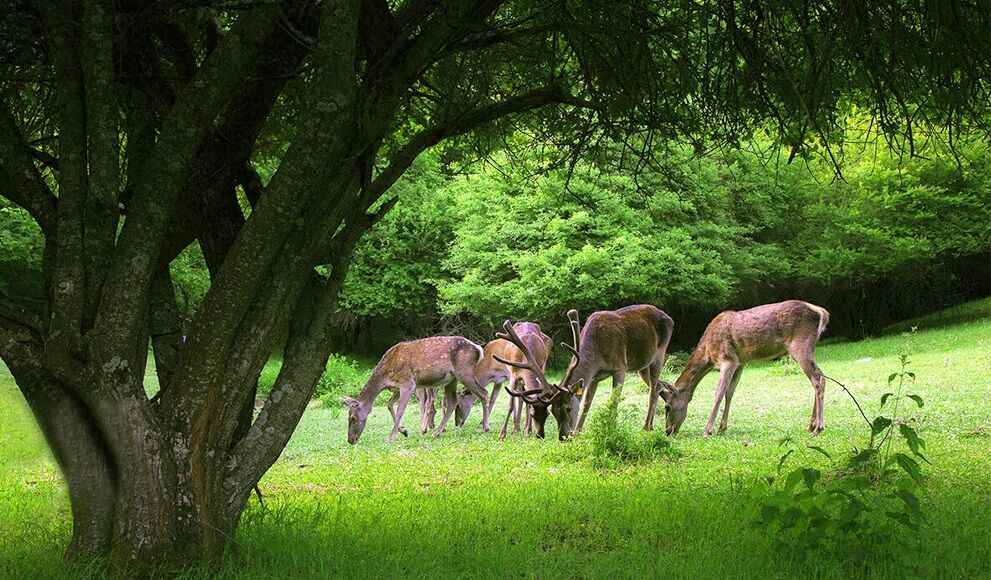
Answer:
(369, 392)
(695, 369)
(579, 371)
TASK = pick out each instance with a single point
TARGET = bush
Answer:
(344, 376)
(617, 440)
(866, 508)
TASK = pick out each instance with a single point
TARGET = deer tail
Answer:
(823, 318)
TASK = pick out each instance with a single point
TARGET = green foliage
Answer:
(693, 235)
(21, 246)
(615, 440)
(868, 508)
(343, 376)
(396, 265)
(190, 278)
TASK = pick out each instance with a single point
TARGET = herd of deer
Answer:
(612, 343)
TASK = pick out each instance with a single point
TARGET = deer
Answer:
(490, 370)
(429, 363)
(734, 338)
(612, 343)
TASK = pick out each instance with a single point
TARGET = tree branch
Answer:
(25, 187)
(69, 291)
(120, 317)
(463, 123)
(103, 151)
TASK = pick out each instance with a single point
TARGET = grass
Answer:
(466, 505)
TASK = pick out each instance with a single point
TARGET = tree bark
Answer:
(70, 432)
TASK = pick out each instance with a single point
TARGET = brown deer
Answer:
(734, 338)
(612, 343)
(492, 370)
(438, 361)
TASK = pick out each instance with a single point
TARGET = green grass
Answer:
(466, 505)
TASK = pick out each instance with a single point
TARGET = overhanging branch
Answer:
(464, 123)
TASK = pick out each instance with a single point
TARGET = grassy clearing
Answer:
(466, 505)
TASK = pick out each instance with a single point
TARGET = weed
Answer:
(859, 511)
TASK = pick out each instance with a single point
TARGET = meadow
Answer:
(467, 505)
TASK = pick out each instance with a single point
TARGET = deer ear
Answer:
(665, 393)
(349, 402)
(578, 388)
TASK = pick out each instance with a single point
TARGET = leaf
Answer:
(784, 458)
(917, 399)
(913, 440)
(879, 425)
(910, 466)
(820, 450)
(862, 457)
(811, 476)
(903, 519)
(884, 398)
(793, 478)
(910, 499)
(892, 377)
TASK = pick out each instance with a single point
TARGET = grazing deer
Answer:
(491, 370)
(634, 338)
(734, 338)
(438, 361)
(614, 342)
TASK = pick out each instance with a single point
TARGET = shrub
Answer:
(858, 512)
(343, 376)
(616, 439)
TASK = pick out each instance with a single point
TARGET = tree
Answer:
(129, 128)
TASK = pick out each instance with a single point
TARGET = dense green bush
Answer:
(895, 238)
(616, 440)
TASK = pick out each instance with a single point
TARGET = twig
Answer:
(859, 408)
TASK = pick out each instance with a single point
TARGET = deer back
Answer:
(427, 360)
(762, 332)
(628, 338)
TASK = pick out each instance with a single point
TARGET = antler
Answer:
(530, 395)
(575, 333)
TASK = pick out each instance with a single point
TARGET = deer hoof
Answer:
(404, 431)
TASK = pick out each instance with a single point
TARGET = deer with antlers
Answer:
(734, 338)
(612, 343)
(431, 363)
(491, 370)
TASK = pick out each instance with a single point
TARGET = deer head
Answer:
(675, 406)
(559, 399)
(357, 415)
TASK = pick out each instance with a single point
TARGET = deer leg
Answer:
(391, 405)
(586, 403)
(649, 376)
(729, 398)
(450, 392)
(496, 389)
(479, 392)
(518, 409)
(618, 380)
(528, 426)
(404, 395)
(726, 372)
(804, 355)
(509, 415)
(426, 398)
